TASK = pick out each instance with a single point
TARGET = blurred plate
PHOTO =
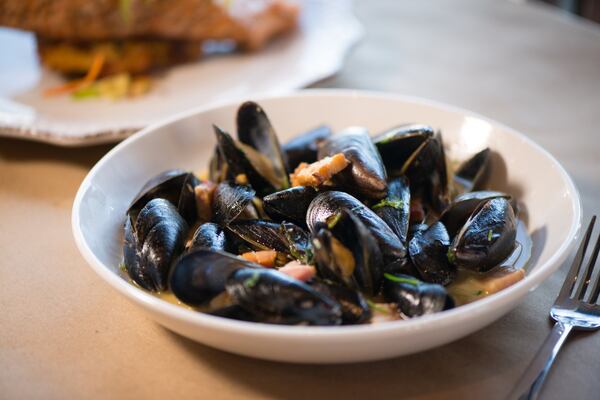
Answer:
(327, 31)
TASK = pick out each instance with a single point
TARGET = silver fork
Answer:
(570, 311)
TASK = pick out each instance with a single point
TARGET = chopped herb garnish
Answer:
(252, 281)
(479, 293)
(490, 235)
(377, 307)
(389, 202)
(399, 279)
(123, 268)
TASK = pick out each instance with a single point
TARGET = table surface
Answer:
(65, 334)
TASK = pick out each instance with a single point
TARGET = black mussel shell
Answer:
(158, 239)
(396, 145)
(395, 208)
(244, 160)
(487, 238)
(355, 309)
(470, 174)
(261, 234)
(230, 200)
(217, 167)
(209, 236)
(328, 204)
(200, 275)
(299, 242)
(366, 174)
(428, 251)
(290, 204)
(234, 311)
(427, 174)
(254, 129)
(415, 298)
(347, 253)
(456, 214)
(277, 298)
(175, 185)
(304, 147)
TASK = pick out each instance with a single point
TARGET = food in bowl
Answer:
(327, 229)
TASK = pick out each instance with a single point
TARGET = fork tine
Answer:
(589, 268)
(571, 278)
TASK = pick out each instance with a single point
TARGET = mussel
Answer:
(175, 185)
(470, 174)
(290, 204)
(255, 130)
(328, 204)
(366, 174)
(413, 297)
(304, 147)
(487, 238)
(459, 211)
(394, 209)
(200, 275)
(355, 308)
(398, 144)
(277, 298)
(231, 200)
(428, 251)
(157, 238)
(209, 236)
(245, 162)
(346, 252)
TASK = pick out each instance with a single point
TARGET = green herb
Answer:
(123, 268)
(479, 293)
(333, 220)
(451, 256)
(89, 92)
(398, 279)
(252, 281)
(490, 235)
(377, 307)
(389, 202)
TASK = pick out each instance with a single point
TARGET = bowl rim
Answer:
(309, 333)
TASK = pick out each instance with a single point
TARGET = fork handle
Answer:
(530, 384)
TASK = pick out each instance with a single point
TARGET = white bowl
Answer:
(551, 203)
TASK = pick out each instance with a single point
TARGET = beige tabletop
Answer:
(64, 334)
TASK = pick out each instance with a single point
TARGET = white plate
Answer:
(549, 200)
(327, 31)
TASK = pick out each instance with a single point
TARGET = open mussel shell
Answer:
(413, 297)
(355, 308)
(255, 130)
(470, 174)
(346, 252)
(290, 204)
(426, 171)
(428, 251)
(458, 212)
(217, 167)
(200, 275)
(328, 204)
(487, 238)
(209, 236)
(396, 145)
(304, 147)
(277, 298)
(394, 209)
(244, 160)
(150, 248)
(175, 185)
(366, 174)
(230, 200)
